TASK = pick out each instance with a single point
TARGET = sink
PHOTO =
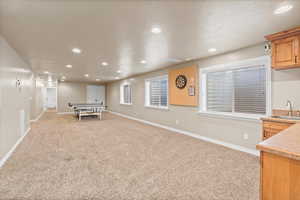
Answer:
(287, 117)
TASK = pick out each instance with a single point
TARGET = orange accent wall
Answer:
(181, 96)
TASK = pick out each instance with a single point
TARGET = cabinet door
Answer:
(285, 53)
(269, 133)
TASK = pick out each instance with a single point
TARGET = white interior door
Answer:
(95, 94)
(51, 97)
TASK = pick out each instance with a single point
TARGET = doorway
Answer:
(51, 99)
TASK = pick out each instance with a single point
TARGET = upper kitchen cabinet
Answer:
(285, 49)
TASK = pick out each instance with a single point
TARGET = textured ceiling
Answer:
(119, 32)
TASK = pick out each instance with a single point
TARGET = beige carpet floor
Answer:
(117, 158)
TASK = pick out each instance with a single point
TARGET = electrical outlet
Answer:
(246, 136)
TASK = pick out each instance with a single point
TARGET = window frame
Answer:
(147, 92)
(122, 86)
(263, 60)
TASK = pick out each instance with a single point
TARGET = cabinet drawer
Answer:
(276, 125)
(272, 128)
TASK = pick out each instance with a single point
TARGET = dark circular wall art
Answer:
(181, 81)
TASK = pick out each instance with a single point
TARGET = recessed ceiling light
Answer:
(86, 75)
(143, 61)
(76, 50)
(46, 72)
(283, 9)
(119, 71)
(117, 77)
(97, 79)
(104, 63)
(68, 66)
(211, 50)
(156, 30)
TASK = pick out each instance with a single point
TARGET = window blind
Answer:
(241, 90)
(127, 94)
(158, 92)
(250, 90)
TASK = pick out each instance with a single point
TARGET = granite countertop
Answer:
(285, 143)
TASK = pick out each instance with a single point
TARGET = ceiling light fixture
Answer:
(117, 77)
(68, 66)
(97, 79)
(143, 61)
(104, 63)
(283, 9)
(76, 50)
(211, 50)
(46, 72)
(119, 71)
(156, 30)
(86, 75)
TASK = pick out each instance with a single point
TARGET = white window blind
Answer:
(240, 90)
(126, 94)
(157, 92)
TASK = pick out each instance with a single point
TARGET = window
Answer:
(240, 89)
(126, 94)
(156, 94)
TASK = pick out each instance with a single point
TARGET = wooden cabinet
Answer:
(285, 48)
(280, 177)
(285, 53)
(271, 128)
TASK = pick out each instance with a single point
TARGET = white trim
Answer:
(126, 104)
(263, 60)
(157, 107)
(122, 85)
(38, 117)
(226, 144)
(8, 154)
(147, 92)
(65, 113)
(235, 116)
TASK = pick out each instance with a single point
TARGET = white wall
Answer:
(70, 92)
(13, 100)
(95, 94)
(38, 97)
(286, 86)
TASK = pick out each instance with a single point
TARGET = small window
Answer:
(126, 94)
(236, 89)
(157, 92)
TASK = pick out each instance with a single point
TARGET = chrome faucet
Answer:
(289, 103)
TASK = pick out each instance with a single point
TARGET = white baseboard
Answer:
(226, 144)
(8, 154)
(38, 117)
(65, 113)
(69, 113)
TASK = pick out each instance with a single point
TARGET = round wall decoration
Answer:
(181, 81)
